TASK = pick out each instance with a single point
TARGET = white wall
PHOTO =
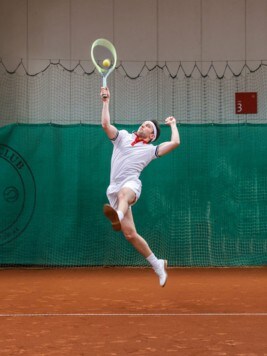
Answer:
(142, 30)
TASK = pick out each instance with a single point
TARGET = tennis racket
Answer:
(104, 72)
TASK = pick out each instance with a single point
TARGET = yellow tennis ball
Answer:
(106, 63)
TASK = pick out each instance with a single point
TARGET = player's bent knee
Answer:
(130, 234)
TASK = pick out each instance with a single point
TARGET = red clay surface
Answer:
(206, 312)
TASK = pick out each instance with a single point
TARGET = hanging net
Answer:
(205, 204)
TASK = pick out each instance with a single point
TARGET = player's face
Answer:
(146, 131)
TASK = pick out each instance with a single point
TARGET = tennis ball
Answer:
(106, 63)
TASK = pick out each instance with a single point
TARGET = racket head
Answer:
(109, 46)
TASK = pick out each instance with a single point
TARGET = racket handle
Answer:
(104, 84)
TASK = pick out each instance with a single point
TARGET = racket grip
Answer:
(104, 85)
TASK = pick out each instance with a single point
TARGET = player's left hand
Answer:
(170, 121)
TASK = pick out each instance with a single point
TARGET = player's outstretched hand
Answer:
(170, 121)
(105, 94)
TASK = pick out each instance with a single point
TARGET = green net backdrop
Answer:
(202, 205)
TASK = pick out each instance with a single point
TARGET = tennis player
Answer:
(132, 152)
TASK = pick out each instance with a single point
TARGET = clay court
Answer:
(123, 311)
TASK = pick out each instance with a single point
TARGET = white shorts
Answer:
(113, 190)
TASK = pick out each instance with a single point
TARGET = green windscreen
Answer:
(204, 204)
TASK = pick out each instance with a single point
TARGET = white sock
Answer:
(120, 215)
(153, 260)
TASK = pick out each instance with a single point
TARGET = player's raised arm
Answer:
(168, 146)
(110, 130)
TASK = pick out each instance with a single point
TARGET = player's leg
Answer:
(122, 218)
(124, 199)
(130, 233)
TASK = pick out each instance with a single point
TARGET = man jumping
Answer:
(132, 152)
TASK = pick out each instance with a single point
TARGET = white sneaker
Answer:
(161, 272)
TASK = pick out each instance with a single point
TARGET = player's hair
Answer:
(157, 127)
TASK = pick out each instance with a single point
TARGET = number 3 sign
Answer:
(246, 103)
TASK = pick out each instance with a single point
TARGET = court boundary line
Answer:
(28, 315)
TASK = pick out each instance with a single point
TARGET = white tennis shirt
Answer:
(128, 159)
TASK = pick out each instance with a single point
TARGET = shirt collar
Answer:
(137, 140)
